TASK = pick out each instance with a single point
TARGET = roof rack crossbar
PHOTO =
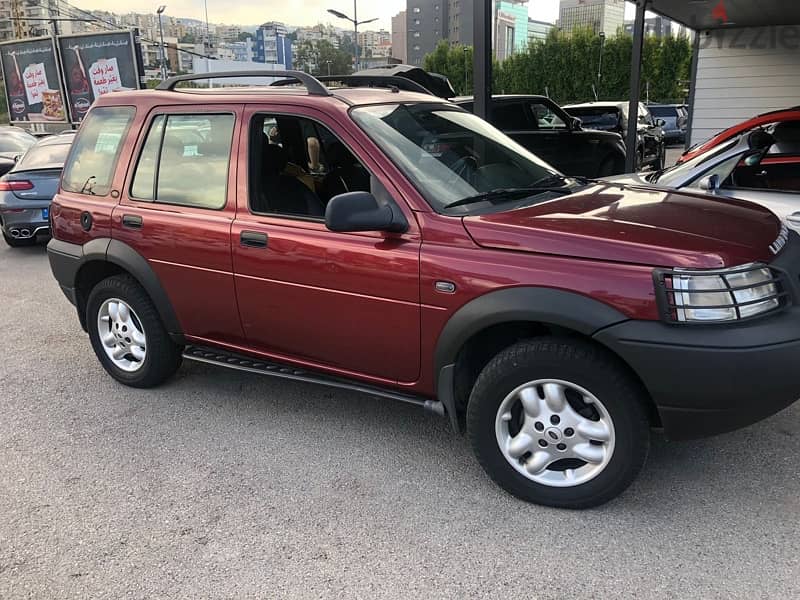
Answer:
(312, 84)
(401, 83)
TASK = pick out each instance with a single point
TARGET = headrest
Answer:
(787, 131)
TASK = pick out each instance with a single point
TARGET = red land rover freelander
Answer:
(389, 242)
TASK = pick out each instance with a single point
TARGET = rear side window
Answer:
(91, 165)
(185, 161)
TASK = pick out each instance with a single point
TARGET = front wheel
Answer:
(127, 334)
(557, 421)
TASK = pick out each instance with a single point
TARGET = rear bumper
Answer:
(713, 379)
(65, 260)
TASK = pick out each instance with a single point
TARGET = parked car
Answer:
(430, 259)
(676, 119)
(613, 116)
(540, 125)
(770, 119)
(13, 143)
(26, 190)
(759, 165)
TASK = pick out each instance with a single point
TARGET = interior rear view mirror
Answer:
(660, 122)
(760, 139)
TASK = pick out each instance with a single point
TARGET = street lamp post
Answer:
(600, 61)
(355, 23)
(329, 67)
(160, 12)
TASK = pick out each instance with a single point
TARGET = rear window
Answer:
(50, 156)
(96, 149)
(663, 111)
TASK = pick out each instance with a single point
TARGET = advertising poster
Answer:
(33, 86)
(97, 64)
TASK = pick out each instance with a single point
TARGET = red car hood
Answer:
(635, 225)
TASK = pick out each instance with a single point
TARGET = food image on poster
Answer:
(33, 87)
(97, 64)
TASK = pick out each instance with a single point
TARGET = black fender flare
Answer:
(67, 260)
(532, 304)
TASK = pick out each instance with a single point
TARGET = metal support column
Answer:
(636, 83)
(482, 61)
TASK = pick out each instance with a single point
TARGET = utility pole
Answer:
(160, 12)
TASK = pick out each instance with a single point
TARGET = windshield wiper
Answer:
(506, 193)
(554, 179)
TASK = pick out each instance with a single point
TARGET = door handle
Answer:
(132, 221)
(253, 239)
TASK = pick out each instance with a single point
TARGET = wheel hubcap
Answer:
(122, 335)
(555, 432)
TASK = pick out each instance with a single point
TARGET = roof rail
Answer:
(312, 84)
(387, 81)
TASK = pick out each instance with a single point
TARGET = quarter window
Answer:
(90, 167)
(185, 161)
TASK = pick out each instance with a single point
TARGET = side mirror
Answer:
(660, 122)
(710, 184)
(360, 211)
(575, 124)
(16, 158)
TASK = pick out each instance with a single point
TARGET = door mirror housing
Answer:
(360, 211)
(710, 184)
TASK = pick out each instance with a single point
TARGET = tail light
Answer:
(14, 185)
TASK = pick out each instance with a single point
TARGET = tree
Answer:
(316, 56)
(565, 67)
(244, 36)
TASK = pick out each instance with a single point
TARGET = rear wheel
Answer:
(558, 422)
(127, 334)
(611, 166)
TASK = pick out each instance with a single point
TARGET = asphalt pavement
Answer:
(223, 484)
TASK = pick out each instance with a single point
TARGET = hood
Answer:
(648, 226)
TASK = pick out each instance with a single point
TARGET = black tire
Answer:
(580, 363)
(163, 356)
(17, 243)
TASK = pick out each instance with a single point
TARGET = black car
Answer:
(676, 119)
(13, 144)
(613, 116)
(541, 126)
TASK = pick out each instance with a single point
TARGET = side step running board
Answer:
(223, 358)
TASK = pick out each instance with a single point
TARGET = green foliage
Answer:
(566, 66)
(246, 35)
(312, 57)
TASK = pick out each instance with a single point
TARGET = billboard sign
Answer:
(33, 83)
(95, 64)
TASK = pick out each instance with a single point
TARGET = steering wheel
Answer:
(464, 168)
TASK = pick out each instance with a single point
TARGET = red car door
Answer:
(176, 211)
(342, 301)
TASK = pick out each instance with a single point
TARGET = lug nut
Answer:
(569, 432)
(543, 444)
(539, 426)
(561, 446)
(555, 420)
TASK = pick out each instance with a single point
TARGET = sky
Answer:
(291, 12)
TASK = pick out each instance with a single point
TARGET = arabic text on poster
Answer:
(104, 75)
(35, 80)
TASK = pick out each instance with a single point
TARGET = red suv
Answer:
(392, 243)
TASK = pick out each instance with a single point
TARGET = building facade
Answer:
(400, 37)
(538, 31)
(607, 16)
(518, 11)
(272, 44)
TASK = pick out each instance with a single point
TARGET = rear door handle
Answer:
(253, 239)
(132, 221)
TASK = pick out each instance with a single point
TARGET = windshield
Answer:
(48, 156)
(663, 112)
(676, 176)
(449, 154)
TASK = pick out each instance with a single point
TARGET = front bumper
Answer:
(707, 380)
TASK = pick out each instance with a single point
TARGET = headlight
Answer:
(721, 295)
